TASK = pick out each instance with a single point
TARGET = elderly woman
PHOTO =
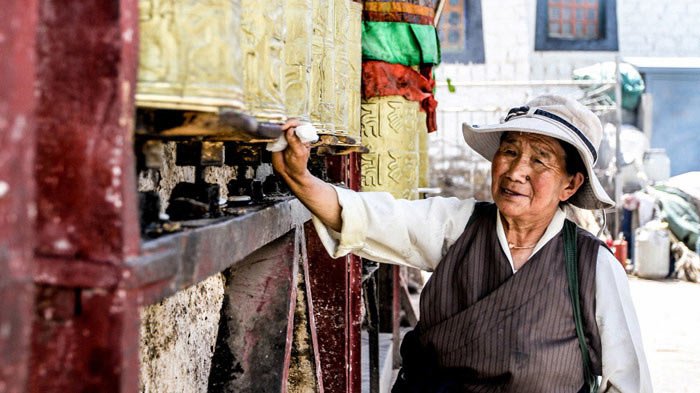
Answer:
(521, 300)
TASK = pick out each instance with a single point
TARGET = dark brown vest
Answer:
(496, 331)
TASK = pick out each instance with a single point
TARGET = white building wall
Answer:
(649, 28)
(659, 28)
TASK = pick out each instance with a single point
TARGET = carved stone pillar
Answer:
(354, 74)
(297, 77)
(263, 27)
(389, 132)
(190, 55)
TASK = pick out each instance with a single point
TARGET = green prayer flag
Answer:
(400, 43)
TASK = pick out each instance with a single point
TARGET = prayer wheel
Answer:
(340, 80)
(354, 74)
(389, 131)
(323, 66)
(190, 55)
(423, 157)
(297, 76)
(262, 44)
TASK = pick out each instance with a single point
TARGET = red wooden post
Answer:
(354, 294)
(17, 208)
(85, 339)
(86, 195)
(327, 283)
(335, 286)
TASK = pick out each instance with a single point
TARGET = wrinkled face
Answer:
(528, 176)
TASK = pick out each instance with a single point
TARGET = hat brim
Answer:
(485, 140)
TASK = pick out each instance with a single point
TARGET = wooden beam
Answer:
(177, 261)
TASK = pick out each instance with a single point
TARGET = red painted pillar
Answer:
(17, 208)
(86, 328)
(354, 294)
(336, 292)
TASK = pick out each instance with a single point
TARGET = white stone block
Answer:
(478, 72)
(508, 71)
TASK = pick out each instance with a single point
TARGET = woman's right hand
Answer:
(291, 163)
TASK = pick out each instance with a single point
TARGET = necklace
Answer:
(512, 246)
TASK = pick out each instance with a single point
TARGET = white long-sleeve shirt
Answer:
(419, 233)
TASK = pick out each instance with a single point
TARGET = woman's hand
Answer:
(291, 164)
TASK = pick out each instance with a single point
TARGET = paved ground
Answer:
(669, 313)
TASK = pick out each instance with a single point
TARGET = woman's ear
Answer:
(575, 182)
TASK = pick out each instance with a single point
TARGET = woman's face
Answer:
(528, 176)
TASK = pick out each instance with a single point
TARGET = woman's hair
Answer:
(574, 163)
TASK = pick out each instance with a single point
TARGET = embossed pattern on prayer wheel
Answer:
(190, 54)
(263, 27)
(354, 51)
(342, 24)
(323, 66)
(389, 131)
(297, 77)
(423, 158)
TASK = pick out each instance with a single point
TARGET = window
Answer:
(461, 33)
(570, 25)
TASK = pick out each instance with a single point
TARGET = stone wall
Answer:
(178, 336)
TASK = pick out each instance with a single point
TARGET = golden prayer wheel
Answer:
(342, 24)
(190, 55)
(354, 73)
(423, 158)
(323, 66)
(262, 44)
(389, 131)
(297, 76)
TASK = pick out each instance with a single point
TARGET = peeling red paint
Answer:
(74, 281)
(84, 340)
(85, 177)
(87, 220)
(17, 209)
(335, 287)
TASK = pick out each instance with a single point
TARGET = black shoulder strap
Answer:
(571, 258)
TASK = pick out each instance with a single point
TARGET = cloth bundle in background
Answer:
(678, 209)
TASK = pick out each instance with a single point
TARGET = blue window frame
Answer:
(461, 32)
(576, 25)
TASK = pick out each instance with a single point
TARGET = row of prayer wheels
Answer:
(271, 60)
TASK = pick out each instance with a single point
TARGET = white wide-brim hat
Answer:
(558, 117)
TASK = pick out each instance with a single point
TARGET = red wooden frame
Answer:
(17, 208)
(73, 283)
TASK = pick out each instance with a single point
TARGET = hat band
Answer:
(525, 110)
